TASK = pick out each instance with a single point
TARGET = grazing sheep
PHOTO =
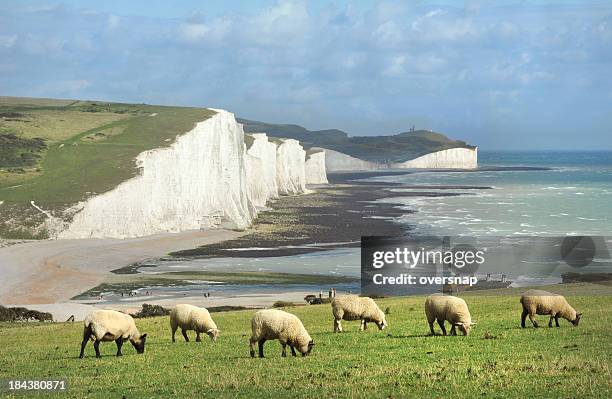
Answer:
(546, 303)
(353, 307)
(448, 308)
(189, 317)
(269, 324)
(110, 325)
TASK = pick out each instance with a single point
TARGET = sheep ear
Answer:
(458, 324)
(311, 343)
(578, 314)
(143, 336)
(473, 323)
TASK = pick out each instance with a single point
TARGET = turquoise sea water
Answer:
(574, 197)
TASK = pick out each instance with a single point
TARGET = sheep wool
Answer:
(547, 303)
(189, 317)
(271, 324)
(110, 325)
(353, 307)
(448, 308)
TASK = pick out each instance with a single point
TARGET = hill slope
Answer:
(381, 149)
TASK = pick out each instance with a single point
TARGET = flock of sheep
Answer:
(274, 324)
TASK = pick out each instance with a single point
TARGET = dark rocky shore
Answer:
(334, 216)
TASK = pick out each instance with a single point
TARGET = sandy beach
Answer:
(52, 271)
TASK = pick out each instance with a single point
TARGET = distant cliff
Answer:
(375, 150)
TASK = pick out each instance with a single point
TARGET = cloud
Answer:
(357, 64)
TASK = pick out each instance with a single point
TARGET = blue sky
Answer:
(503, 74)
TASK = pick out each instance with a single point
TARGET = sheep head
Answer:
(213, 333)
(139, 343)
(577, 319)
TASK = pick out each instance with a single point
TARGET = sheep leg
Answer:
(292, 351)
(337, 325)
(533, 320)
(431, 328)
(365, 325)
(284, 353)
(97, 348)
(523, 317)
(550, 321)
(185, 335)
(453, 331)
(261, 345)
(86, 335)
(362, 325)
(119, 342)
(441, 324)
(198, 339)
(252, 346)
(173, 333)
(557, 320)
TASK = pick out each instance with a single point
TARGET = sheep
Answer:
(546, 303)
(448, 308)
(189, 317)
(110, 325)
(353, 307)
(270, 324)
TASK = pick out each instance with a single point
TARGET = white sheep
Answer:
(270, 324)
(547, 303)
(189, 317)
(353, 307)
(448, 308)
(110, 325)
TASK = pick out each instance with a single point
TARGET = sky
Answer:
(499, 74)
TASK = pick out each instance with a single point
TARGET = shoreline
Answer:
(52, 272)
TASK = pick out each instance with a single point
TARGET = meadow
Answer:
(499, 359)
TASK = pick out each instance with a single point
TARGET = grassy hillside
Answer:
(498, 360)
(384, 149)
(61, 151)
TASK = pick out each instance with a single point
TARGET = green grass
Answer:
(399, 362)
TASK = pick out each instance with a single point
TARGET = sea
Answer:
(530, 194)
(573, 197)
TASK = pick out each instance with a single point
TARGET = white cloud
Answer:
(113, 21)
(8, 41)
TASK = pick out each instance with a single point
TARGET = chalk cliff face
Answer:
(315, 167)
(337, 161)
(454, 158)
(290, 167)
(261, 169)
(206, 178)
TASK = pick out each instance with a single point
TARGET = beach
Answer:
(51, 271)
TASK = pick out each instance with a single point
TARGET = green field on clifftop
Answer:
(498, 360)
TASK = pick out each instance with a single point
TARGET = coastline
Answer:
(50, 273)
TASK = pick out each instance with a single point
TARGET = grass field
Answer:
(90, 148)
(498, 360)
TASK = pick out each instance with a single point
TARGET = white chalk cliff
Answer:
(338, 161)
(454, 158)
(207, 178)
(315, 167)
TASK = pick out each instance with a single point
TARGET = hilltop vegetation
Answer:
(383, 149)
(499, 359)
(60, 152)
